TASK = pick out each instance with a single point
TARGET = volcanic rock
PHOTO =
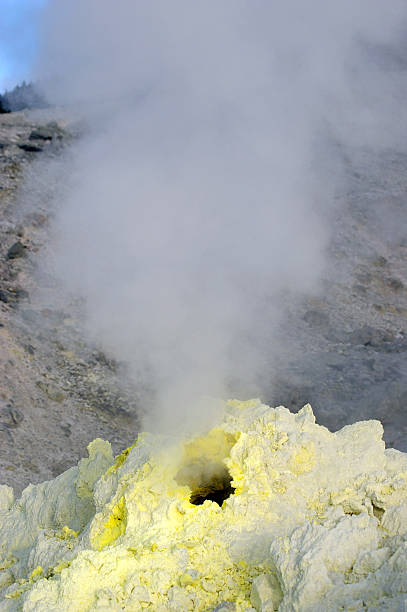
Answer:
(316, 318)
(16, 250)
(52, 391)
(47, 132)
(30, 148)
(4, 296)
(369, 336)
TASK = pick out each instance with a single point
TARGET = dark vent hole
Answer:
(216, 489)
(213, 483)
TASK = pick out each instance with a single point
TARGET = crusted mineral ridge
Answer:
(317, 521)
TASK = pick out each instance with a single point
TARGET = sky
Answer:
(18, 40)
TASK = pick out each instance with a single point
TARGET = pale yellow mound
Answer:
(304, 520)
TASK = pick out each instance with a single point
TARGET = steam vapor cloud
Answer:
(200, 196)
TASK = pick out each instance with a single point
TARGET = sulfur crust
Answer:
(317, 522)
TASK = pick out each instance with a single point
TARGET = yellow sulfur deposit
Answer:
(267, 511)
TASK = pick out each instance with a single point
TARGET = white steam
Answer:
(200, 195)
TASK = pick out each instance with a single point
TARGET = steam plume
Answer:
(200, 197)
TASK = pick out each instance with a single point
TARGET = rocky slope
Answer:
(347, 346)
(57, 393)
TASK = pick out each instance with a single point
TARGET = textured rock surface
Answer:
(52, 383)
(344, 349)
(316, 522)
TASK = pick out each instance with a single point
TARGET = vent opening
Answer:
(203, 467)
(217, 489)
(207, 481)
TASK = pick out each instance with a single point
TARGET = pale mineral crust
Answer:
(312, 521)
